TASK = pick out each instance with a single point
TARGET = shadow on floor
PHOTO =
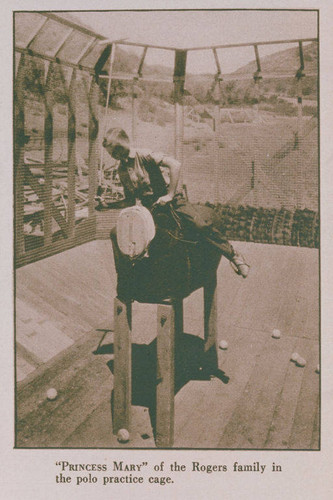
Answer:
(191, 363)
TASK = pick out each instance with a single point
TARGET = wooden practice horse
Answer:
(179, 262)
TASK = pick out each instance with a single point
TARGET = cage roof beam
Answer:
(86, 51)
(63, 41)
(249, 44)
(101, 40)
(35, 35)
(142, 60)
(54, 59)
(257, 74)
(71, 24)
(300, 72)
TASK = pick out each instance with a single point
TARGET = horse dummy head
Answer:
(135, 231)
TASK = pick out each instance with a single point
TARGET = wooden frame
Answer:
(72, 234)
(169, 328)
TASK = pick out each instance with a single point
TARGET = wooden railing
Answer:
(49, 241)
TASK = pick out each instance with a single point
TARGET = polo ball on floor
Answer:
(300, 362)
(123, 436)
(276, 334)
(223, 345)
(51, 394)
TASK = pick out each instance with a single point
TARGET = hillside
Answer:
(285, 61)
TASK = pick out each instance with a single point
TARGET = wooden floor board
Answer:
(283, 417)
(248, 425)
(217, 398)
(261, 400)
(43, 339)
(315, 442)
(306, 410)
(81, 378)
(72, 324)
(96, 430)
(278, 355)
(265, 313)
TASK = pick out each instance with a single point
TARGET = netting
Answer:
(242, 140)
(242, 154)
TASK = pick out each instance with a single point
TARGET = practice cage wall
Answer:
(232, 155)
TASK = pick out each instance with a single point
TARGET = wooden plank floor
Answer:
(262, 400)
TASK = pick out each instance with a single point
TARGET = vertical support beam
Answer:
(257, 79)
(71, 138)
(112, 52)
(142, 60)
(122, 377)
(210, 324)
(217, 62)
(216, 96)
(48, 157)
(165, 376)
(299, 77)
(216, 152)
(179, 81)
(19, 157)
(298, 142)
(217, 128)
(134, 113)
(93, 148)
(179, 139)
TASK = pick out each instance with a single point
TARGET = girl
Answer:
(141, 174)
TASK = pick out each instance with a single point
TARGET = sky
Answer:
(185, 29)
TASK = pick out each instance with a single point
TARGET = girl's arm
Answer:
(174, 167)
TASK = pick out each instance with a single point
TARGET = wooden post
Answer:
(134, 113)
(179, 81)
(179, 139)
(216, 153)
(109, 52)
(71, 138)
(122, 376)
(257, 79)
(19, 157)
(165, 375)
(299, 78)
(93, 148)
(210, 325)
(299, 178)
(48, 157)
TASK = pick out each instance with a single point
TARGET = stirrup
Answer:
(239, 265)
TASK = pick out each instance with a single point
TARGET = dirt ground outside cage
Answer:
(261, 153)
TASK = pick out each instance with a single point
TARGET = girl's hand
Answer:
(163, 200)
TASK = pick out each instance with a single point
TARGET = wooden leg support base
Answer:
(165, 390)
(122, 390)
(169, 324)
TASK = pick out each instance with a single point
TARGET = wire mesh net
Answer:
(241, 141)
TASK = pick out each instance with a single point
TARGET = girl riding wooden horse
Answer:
(142, 177)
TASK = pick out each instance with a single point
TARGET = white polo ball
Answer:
(301, 362)
(123, 436)
(276, 334)
(318, 369)
(294, 357)
(51, 394)
(223, 345)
